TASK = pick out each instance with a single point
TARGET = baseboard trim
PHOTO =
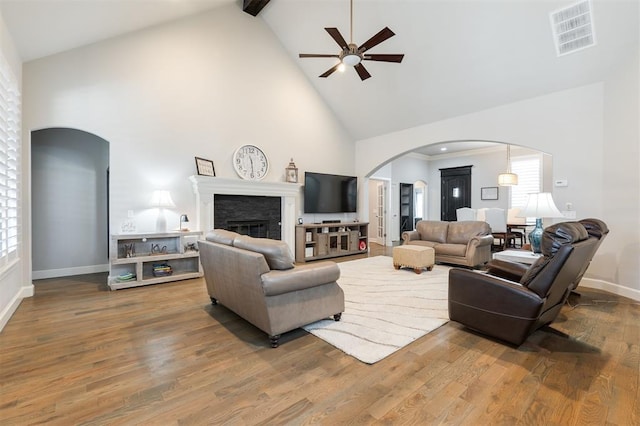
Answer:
(8, 311)
(610, 287)
(67, 272)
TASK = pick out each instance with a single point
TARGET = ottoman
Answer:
(416, 257)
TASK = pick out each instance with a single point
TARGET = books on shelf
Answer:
(126, 277)
(162, 269)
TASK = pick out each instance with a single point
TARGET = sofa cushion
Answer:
(462, 232)
(432, 230)
(459, 250)
(422, 243)
(276, 252)
(300, 278)
(222, 236)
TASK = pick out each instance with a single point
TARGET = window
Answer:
(9, 165)
(529, 170)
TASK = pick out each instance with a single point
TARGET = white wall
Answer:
(576, 127)
(13, 285)
(189, 88)
(69, 203)
(193, 87)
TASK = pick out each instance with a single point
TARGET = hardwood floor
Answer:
(76, 353)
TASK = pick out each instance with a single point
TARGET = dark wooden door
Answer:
(455, 191)
(406, 207)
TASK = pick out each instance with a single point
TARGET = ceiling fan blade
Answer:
(333, 32)
(313, 55)
(383, 58)
(330, 71)
(362, 72)
(384, 34)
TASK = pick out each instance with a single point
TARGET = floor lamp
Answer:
(540, 206)
(161, 199)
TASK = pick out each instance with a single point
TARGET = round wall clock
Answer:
(250, 162)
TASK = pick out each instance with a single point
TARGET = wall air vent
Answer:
(573, 28)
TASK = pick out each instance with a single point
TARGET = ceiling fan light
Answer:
(351, 60)
(341, 67)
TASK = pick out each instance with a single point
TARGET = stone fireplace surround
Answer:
(205, 187)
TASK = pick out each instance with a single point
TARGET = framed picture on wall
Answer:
(489, 193)
(205, 167)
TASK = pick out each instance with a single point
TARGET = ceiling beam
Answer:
(253, 7)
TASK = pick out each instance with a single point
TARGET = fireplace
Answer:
(252, 228)
(206, 187)
(256, 216)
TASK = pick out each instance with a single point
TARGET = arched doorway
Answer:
(69, 202)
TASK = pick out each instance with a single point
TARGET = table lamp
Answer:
(540, 206)
(183, 219)
(161, 199)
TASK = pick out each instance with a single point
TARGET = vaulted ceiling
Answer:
(461, 56)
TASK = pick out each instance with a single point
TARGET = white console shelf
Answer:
(136, 255)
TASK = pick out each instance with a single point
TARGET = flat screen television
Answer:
(326, 193)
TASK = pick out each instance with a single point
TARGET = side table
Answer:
(520, 256)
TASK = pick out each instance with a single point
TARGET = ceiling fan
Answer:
(352, 55)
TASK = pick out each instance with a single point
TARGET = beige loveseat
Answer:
(466, 243)
(256, 278)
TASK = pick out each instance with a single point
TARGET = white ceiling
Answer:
(461, 56)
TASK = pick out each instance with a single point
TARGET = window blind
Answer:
(528, 169)
(9, 165)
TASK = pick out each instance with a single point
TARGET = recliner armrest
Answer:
(493, 294)
(512, 271)
(299, 278)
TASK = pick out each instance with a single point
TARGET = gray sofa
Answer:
(256, 278)
(466, 243)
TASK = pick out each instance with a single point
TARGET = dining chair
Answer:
(517, 225)
(481, 214)
(465, 213)
(497, 220)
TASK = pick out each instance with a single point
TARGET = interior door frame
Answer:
(461, 178)
(381, 217)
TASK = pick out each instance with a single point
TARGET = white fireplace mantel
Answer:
(205, 187)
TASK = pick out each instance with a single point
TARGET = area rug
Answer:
(385, 309)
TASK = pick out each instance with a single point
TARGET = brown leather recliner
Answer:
(514, 271)
(595, 228)
(512, 310)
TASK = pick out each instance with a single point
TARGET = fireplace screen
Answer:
(256, 216)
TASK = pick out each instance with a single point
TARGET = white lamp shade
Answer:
(162, 198)
(540, 205)
(507, 179)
